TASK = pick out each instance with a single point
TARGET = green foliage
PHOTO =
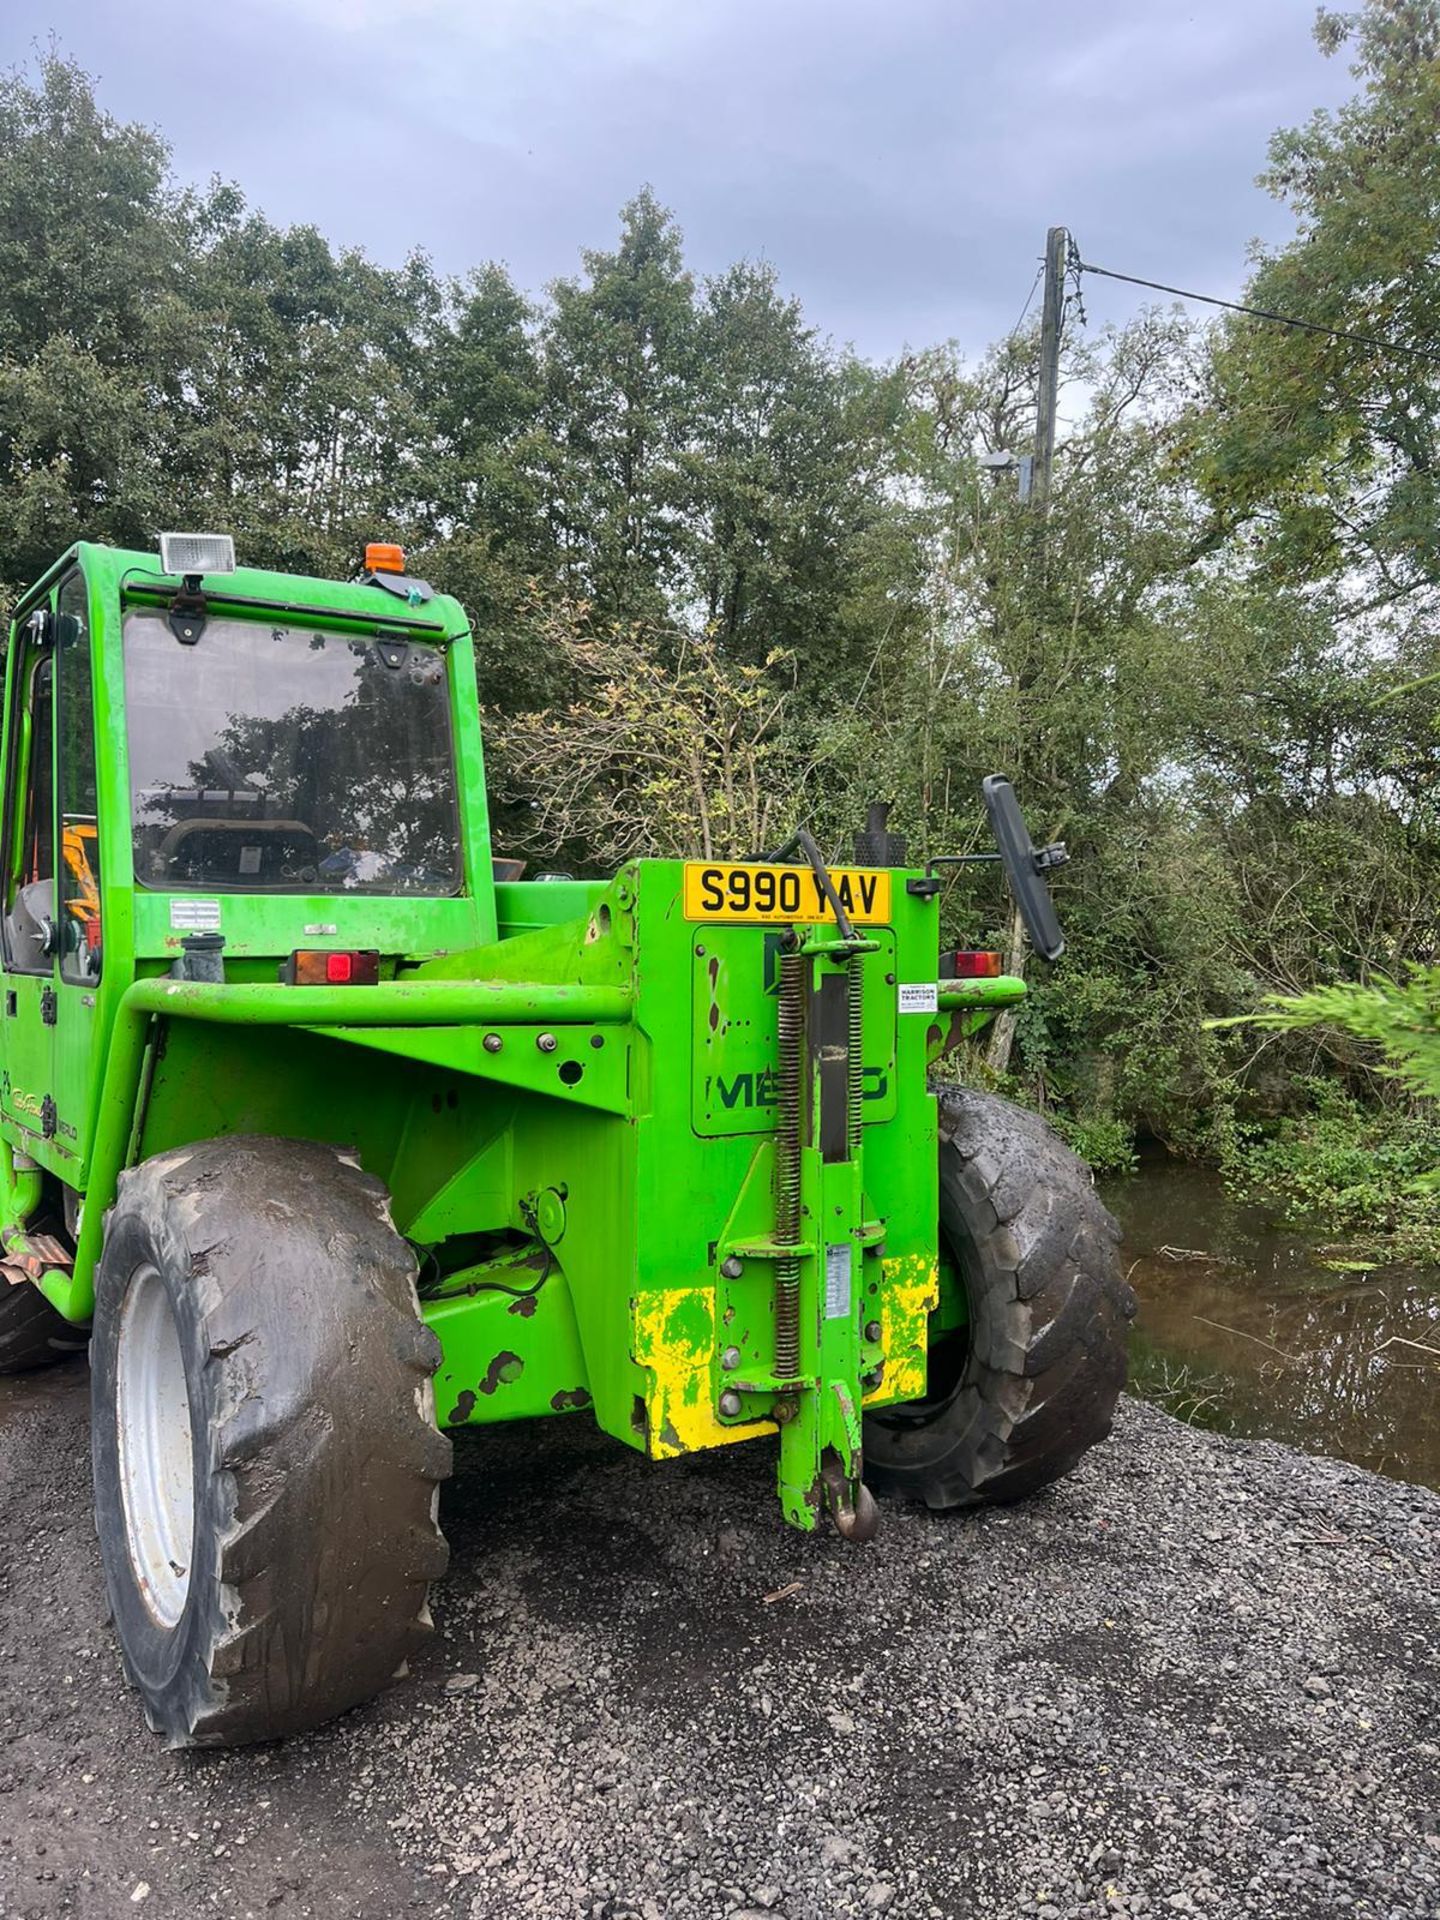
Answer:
(1401, 1018)
(653, 756)
(1329, 444)
(1371, 1169)
(1362, 1171)
(1107, 1144)
(89, 252)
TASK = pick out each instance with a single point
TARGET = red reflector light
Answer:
(324, 967)
(976, 966)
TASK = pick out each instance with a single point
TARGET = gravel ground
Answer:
(1199, 1677)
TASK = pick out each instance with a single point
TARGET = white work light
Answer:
(191, 553)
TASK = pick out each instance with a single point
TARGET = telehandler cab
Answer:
(327, 1141)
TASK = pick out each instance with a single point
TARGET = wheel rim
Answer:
(157, 1470)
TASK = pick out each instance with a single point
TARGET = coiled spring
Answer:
(787, 1163)
(854, 1052)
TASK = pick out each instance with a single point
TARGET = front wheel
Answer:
(1028, 1383)
(266, 1460)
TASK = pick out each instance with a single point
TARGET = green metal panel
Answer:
(28, 1078)
(734, 1029)
(527, 906)
(509, 1355)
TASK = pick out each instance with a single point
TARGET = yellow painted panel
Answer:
(911, 1291)
(674, 1336)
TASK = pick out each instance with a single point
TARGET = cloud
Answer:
(897, 160)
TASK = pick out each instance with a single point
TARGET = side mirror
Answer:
(1025, 866)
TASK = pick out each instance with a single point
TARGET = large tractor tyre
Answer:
(1017, 1396)
(267, 1465)
(32, 1333)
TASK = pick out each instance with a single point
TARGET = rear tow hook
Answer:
(851, 1503)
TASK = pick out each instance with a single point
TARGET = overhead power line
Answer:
(1264, 313)
(1028, 298)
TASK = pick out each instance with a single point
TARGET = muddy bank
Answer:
(1201, 1676)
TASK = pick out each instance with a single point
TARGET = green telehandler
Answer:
(329, 1141)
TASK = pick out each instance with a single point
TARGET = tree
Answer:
(88, 234)
(297, 422)
(656, 755)
(482, 380)
(786, 481)
(90, 250)
(619, 355)
(1328, 443)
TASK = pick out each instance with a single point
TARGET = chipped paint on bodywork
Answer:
(504, 1368)
(912, 1291)
(965, 1008)
(674, 1338)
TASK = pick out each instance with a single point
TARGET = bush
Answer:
(1107, 1144)
(1357, 1171)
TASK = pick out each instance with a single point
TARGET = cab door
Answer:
(30, 939)
(50, 948)
(75, 1070)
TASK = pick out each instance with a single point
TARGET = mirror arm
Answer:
(927, 888)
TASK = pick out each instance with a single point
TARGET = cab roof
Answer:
(136, 576)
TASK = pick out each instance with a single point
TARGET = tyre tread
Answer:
(1049, 1306)
(331, 1543)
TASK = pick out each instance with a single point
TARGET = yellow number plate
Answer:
(782, 894)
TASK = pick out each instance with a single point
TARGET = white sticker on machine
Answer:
(195, 916)
(837, 1279)
(922, 997)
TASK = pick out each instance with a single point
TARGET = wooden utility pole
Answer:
(1052, 310)
(1057, 248)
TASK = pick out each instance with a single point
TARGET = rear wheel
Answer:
(267, 1464)
(32, 1334)
(1029, 1383)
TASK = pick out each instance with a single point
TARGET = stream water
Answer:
(1253, 1327)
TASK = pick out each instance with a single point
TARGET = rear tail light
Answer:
(969, 964)
(327, 967)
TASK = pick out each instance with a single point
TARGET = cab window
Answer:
(79, 863)
(30, 925)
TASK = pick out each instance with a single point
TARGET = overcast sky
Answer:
(897, 160)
